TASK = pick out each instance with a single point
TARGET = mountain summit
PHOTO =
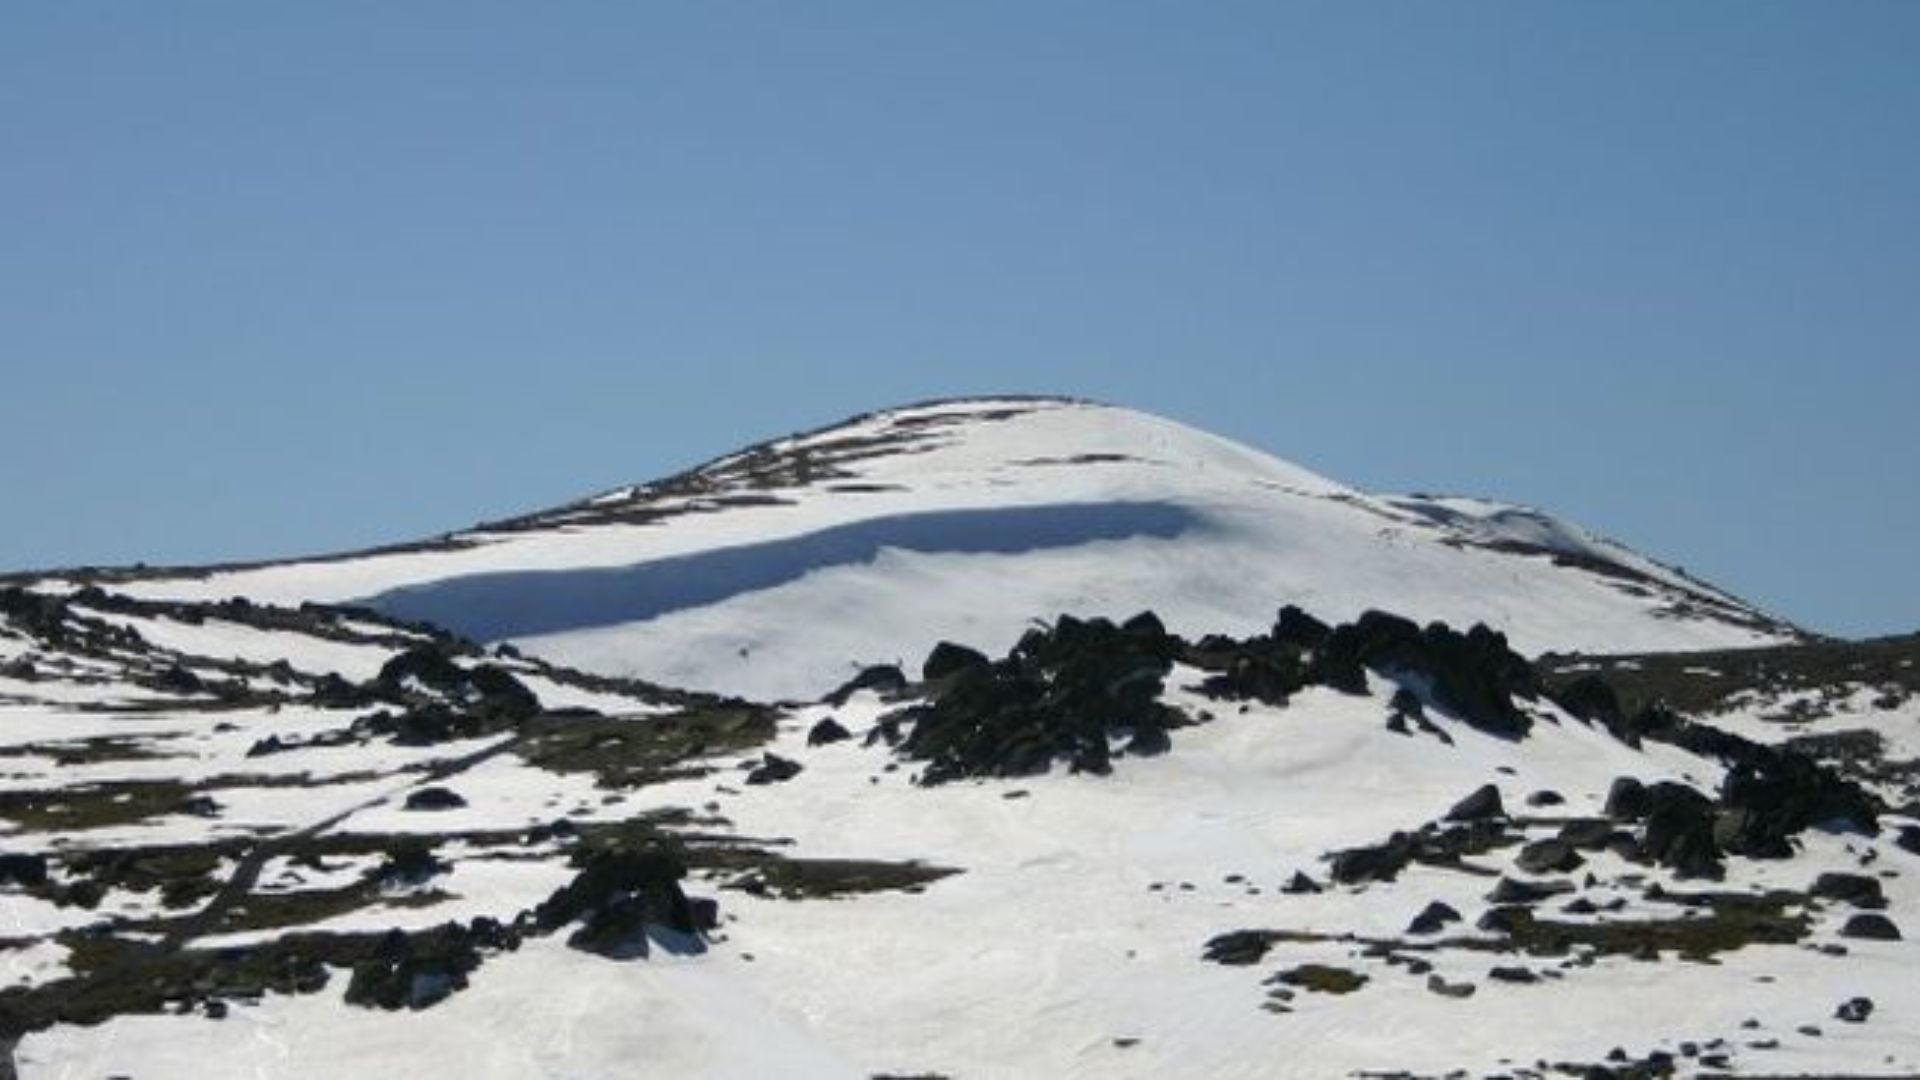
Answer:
(781, 569)
(1169, 759)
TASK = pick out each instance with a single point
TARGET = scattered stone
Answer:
(1513, 975)
(1854, 1010)
(1300, 884)
(1440, 986)
(27, 870)
(623, 900)
(1482, 805)
(883, 679)
(1870, 927)
(948, 658)
(1433, 918)
(434, 798)
(1239, 948)
(827, 731)
(1591, 834)
(1549, 857)
(1856, 889)
(1512, 891)
(1546, 797)
(1322, 979)
(773, 769)
(1627, 800)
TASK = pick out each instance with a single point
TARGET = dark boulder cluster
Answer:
(27, 870)
(1431, 845)
(1067, 692)
(1070, 691)
(1769, 797)
(415, 971)
(625, 899)
(483, 690)
(1475, 675)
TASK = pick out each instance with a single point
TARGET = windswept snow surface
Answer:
(777, 571)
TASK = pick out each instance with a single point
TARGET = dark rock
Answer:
(883, 679)
(1513, 975)
(1063, 693)
(1149, 740)
(179, 680)
(1433, 918)
(1591, 698)
(623, 900)
(1504, 920)
(1548, 857)
(1546, 797)
(947, 659)
(827, 731)
(1239, 948)
(487, 693)
(28, 870)
(1300, 630)
(1440, 986)
(263, 747)
(1299, 884)
(773, 769)
(1680, 831)
(1381, 862)
(1856, 889)
(1405, 704)
(1591, 834)
(408, 866)
(1854, 1010)
(1482, 805)
(434, 798)
(414, 971)
(1908, 838)
(1511, 891)
(1627, 800)
(1474, 675)
(1870, 927)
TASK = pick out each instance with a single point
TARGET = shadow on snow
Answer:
(490, 607)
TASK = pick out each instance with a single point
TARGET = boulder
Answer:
(1857, 889)
(773, 769)
(29, 870)
(1854, 1010)
(828, 730)
(1512, 891)
(1627, 800)
(434, 798)
(1553, 856)
(1482, 805)
(883, 679)
(1869, 926)
(1433, 918)
(948, 658)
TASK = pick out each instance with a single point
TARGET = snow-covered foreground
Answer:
(1072, 940)
(778, 571)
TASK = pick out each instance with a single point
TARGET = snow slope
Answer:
(777, 571)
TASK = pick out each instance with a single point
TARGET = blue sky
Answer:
(283, 278)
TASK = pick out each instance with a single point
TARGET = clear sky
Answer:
(282, 278)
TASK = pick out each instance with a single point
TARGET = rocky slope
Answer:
(248, 837)
(778, 571)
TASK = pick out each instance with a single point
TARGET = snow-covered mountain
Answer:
(245, 832)
(780, 570)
